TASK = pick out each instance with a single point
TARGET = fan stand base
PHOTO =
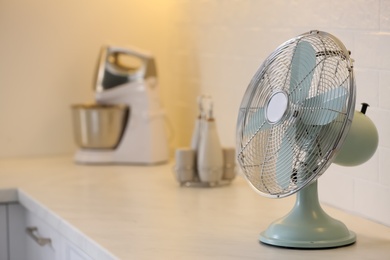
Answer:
(308, 226)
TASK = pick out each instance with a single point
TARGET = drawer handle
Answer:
(33, 233)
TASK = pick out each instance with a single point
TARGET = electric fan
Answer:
(295, 119)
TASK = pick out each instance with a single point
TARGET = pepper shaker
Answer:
(210, 156)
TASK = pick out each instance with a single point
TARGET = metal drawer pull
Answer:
(33, 233)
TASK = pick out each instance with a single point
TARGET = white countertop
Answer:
(140, 212)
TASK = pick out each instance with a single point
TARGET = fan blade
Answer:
(325, 107)
(302, 68)
(256, 122)
(311, 144)
(285, 159)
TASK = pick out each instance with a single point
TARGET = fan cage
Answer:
(280, 159)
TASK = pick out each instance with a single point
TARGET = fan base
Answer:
(309, 244)
(308, 226)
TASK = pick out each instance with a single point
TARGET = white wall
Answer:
(226, 41)
(48, 52)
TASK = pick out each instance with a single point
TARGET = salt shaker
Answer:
(210, 156)
(198, 125)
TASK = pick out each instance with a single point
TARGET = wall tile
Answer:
(204, 12)
(385, 16)
(266, 14)
(372, 50)
(249, 42)
(210, 72)
(367, 57)
(384, 166)
(359, 14)
(371, 200)
(384, 51)
(337, 189)
(213, 39)
(367, 170)
(347, 37)
(258, 43)
(236, 13)
(381, 118)
(384, 89)
(367, 87)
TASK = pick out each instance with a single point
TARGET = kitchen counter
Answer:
(139, 212)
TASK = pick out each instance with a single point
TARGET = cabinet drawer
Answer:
(3, 233)
(31, 238)
(53, 246)
(73, 253)
(42, 241)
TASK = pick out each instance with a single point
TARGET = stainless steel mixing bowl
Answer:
(98, 126)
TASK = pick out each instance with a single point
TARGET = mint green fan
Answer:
(296, 118)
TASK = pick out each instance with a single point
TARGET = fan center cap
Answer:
(276, 107)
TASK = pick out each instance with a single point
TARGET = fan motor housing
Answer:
(360, 143)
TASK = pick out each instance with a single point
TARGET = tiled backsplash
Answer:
(49, 52)
(224, 42)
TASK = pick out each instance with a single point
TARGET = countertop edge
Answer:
(73, 235)
(9, 195)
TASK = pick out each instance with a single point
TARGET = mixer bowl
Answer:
(98, 126)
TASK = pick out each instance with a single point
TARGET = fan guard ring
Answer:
(283, 151)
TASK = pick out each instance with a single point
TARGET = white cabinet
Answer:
(42, 242)
(16, 233)
(30, 238)
(73, 253)
(3, 233)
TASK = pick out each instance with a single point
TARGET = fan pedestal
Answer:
(307, 225)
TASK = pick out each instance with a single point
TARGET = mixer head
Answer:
(118, 66)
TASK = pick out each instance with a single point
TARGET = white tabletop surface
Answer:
(140, 212)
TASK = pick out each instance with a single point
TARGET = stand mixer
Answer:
(142, 136)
